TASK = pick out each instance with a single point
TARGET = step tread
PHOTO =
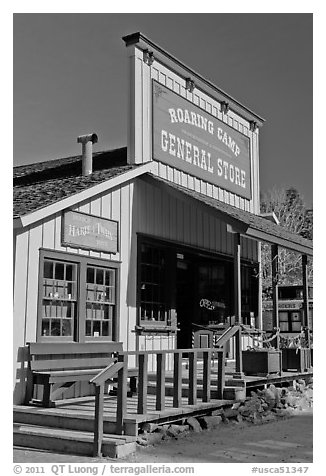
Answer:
(65, 434)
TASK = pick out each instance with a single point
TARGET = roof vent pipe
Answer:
(87, 142)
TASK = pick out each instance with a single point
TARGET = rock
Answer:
(218, 412)
(149, 427)
(153, 438)
(173, 431)
(245, 412)
(210, 422)
(163, 430)
(236, 405)
(269, 398)
(277, 392)
(268, 417)
(142, 441)
(289, 400)
(229, 413)
(176, 430)
(194, 424)
(301, 388)
(239, 418)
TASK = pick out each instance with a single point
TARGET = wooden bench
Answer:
(58, 365)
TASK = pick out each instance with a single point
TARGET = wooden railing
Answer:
(120, 369)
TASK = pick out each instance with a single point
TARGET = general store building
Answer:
(144, 244)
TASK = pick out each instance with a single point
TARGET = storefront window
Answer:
(77, 298)
(154, 296)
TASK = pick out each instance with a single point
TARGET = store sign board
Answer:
(90, 232)
(190, 139)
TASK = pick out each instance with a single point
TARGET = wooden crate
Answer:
(262, 362)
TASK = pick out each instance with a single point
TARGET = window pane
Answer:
(90, 275)
(284, 326)
(99, 276)
(109, 278)
(88, 328)
(59, 271)
(48, 269)
(55, 327)
(66, 327)
(45, 327)
(69, 274)
(96, 328)
(105, 328)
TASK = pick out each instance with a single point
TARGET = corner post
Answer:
(305, 321)
(237, 304)
(275, 271)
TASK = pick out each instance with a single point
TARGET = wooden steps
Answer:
(61, 440)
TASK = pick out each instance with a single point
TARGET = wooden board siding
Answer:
(47, 234)
(140, 144)
(167, 217)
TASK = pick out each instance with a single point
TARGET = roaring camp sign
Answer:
(191, 140)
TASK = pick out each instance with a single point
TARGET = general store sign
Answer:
(90, 232)
(189, 139)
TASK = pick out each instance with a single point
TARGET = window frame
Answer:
(79, 326)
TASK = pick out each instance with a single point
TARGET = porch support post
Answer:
(237, 304)
(305, 321)
(276, 323)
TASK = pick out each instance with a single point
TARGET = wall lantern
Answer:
(190, 84)
(253, 126)
(225, 107)
(148, 57)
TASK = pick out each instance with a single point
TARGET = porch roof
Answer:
(239, 221)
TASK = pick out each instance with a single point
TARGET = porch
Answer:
(72, 424)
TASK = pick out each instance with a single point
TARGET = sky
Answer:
(70, 78)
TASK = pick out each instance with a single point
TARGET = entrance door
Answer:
(185, 299)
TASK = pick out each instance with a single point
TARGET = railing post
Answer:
(122, 393)
(98, 422)
(192, 394)
(207, 376)
(221, 374)
(177, 378)
(160, 381)
(142, 385)
(238, 354)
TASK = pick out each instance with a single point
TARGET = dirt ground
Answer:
(282, 441)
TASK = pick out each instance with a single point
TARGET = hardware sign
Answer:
(81, 230)
(188, 138)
